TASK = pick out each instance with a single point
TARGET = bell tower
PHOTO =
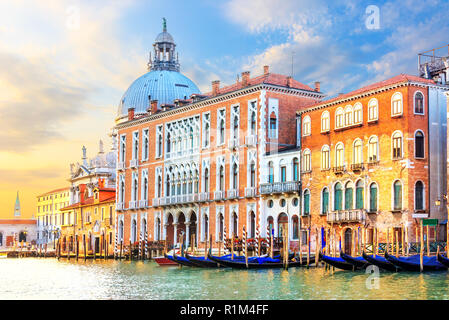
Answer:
(17, 206)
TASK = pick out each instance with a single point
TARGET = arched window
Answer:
(359, 195)
(295, 169)
(253, 123)
(295, 227)
(220, 227)
(283, 171)
(306, 208)
(236, 126)
(397, 145)
(325, 158)
(252, 175)
(358, 152)
(167, 188)
(134, 231)
(235, 172)
(159, 147)
(349, 196)
(339, 118)
(419, 144)
(325, 121)
(307, 160)
(419, 196)
(325, 201)
(373, 148)
(221, 178)
(339, 155)
(338, 197)
(270, 172)
(222, 131)
(273, 121)
(373, 110)
(396, 104)
(206, 180)
(397, 195)
(205, 227)
(419, 103)
(306, 126)
(358, 113)
(168, 142)
(252, 224)
(373, 197)
(235, 226)
(348, 116)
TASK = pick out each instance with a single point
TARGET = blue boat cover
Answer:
(338, 259)
(429, 261)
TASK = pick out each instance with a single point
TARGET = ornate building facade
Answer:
(192, 167)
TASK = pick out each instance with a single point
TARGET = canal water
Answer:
(39, 278)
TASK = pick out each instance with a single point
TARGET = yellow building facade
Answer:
(48, 215)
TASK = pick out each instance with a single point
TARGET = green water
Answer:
(34, 278)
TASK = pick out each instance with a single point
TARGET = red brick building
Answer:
(192, 166)
(375, 158)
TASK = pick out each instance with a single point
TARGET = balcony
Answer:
(143, 203)
(373, 160)
(280, 187)
(219, 195)
(203, 196)
(134, 163)
(121, 166)
(157, 202)
(357, 167)
(132, 205)
(120, 206)
(346, 216)
(233, 143)
(233, 193)
(250, 192)
(251, 140)
(339, 169)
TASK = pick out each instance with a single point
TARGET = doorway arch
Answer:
(282, 224)
(169, 230)
(348, 241)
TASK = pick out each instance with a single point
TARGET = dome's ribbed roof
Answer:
(164, 37)
(163, 85)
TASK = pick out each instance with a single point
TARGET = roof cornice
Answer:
(218, 99)
(371, 92)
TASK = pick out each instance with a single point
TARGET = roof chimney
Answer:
(317, 86)
(266, 70)
(245, 78)
(289, 81)
(153, 107)
(215, 87)
(130, 113)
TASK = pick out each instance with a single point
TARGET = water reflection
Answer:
(49, 279)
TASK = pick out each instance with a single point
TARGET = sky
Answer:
(64, 65)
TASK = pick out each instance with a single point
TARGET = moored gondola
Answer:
(179, 260)
(412, 263)
(358, 262)
(338, 262)
(256, 263)
(443, 260)
(381, 262)
(202, 262)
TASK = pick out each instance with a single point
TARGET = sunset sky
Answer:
(65, 64)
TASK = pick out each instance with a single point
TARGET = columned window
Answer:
(349, 196)
(359, 195)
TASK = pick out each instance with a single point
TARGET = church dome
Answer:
(163, 82)
(165, 86)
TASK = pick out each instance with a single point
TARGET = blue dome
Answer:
(163, 85)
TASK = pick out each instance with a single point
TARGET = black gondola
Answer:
(202, 262)
(180, 260)
(381, 262)
(412, 263)
(443, 260)
(337, 262)
(238, 264)
(358, 262)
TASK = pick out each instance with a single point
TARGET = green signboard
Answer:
(430, 222)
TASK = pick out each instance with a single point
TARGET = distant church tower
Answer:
(17, 206)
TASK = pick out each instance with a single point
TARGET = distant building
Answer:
(48, 214)
(14, 232)
(17, 206)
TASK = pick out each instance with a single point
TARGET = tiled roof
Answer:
(397, 79)
(17, 221)
(54, 191)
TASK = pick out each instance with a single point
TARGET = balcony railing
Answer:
(132, 205)
(204, 196)
(250, 192)
(157, 202)
(233, 193)
(280, 187)
(134, 163)
(339, 169)
(219, 195)
(120, 206)
(357, 167)
(251, 140)
(233, 143)
(143, 203)
(121, 166)
(357, 215)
